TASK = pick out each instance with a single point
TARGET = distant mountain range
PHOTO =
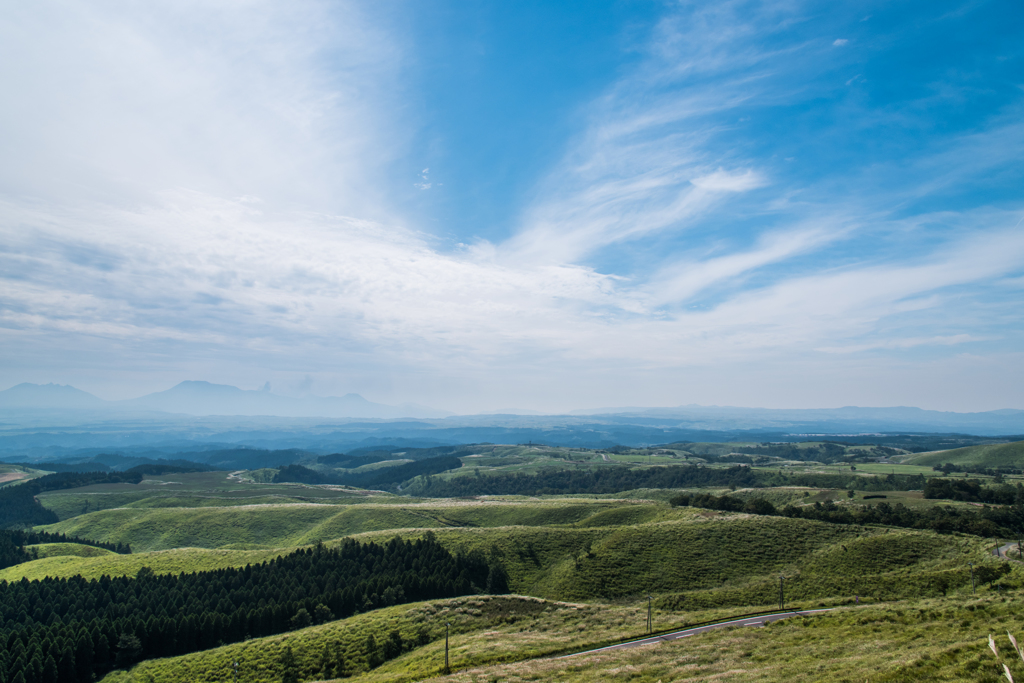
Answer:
(850, 419)
(46, 407)
(204, 398)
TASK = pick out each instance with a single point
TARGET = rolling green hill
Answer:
(999, 455)
(278, 525)
(266, 526)
(161, 562)
(931, 639)
(727, 559)
(67, 549)
(556, 549)
(695, 562)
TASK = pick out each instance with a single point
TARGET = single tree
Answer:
(322, 614)
(301, 619)
(129, 650)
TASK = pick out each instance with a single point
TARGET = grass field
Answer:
(934, 640)
(724, 560)
(14, 474)
(558, 549)
(872, 468)
(297, 524)
(199, 489)
(999, 455)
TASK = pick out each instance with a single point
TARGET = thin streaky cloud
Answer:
(240, 190)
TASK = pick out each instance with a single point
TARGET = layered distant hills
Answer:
(51, 420)
(812, 421)
(204, 398)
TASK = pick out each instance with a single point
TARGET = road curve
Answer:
(686, 633)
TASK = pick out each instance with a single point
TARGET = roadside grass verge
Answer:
(512, 639)
(943, 639)
(484, 629)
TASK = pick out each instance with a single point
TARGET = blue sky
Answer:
(480, 205)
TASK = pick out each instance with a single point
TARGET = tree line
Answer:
(71, 630)
(971, 491)
(388, 476)
(19, 507)
(18, 504)
(987, 521)
(998, 472)
(616, 479)
(13, 542)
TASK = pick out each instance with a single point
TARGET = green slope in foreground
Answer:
(999, 455)
(928, 640)
(510, 638)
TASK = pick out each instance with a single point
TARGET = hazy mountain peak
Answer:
(28, 395)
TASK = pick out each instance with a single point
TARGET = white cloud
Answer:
(723, 181)
(839, 42)
(904, 343)
(207, 201)
(113, 101)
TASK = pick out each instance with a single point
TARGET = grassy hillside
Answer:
(483, 629)
(931, 639)
(934, 640)
(194, 489)
(42, 550)
(277, 525)
(267, 526)
(560, 549)
(723, 560)
(162, 562)
(999, 455)
(12, 474)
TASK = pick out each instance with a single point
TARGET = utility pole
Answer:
(782, 596)
(973, 591)
(650, 621)
(447, 628)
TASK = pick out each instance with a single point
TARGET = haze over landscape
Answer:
(604, 341)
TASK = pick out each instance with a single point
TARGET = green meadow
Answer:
(998, 455)
(587, 563)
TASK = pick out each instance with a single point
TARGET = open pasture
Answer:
(195, 490)
(279, 525)
(13, 474)
(990, 456)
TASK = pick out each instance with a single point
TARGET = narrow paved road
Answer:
(686, 633)
(1005, 550)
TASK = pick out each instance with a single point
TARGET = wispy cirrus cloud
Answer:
(725, 204)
